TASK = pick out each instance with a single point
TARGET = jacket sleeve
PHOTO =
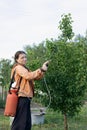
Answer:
(34, 75)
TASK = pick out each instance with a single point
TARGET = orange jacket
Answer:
(27, 82)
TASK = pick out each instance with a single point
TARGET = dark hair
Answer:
(16, 56)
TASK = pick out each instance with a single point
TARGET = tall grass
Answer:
(54, 121)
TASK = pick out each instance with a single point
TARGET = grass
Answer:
(4, 121)
(53, 121)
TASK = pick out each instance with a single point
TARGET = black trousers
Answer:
(22, 120)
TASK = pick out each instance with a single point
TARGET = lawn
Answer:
(53, 121)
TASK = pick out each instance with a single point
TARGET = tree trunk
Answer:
(65, 122)
(2, 93)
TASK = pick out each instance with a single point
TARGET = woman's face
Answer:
(22, 59)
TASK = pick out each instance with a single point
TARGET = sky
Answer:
(28, 22)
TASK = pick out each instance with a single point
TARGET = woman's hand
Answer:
(45, 66)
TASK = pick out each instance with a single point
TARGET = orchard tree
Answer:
(67, 73)
(66, 77)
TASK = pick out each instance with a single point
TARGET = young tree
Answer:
(66, 77)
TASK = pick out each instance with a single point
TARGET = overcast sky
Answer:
(24, 22)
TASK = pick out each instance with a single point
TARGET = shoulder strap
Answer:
(12, 80)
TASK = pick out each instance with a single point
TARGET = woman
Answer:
(22, 119)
